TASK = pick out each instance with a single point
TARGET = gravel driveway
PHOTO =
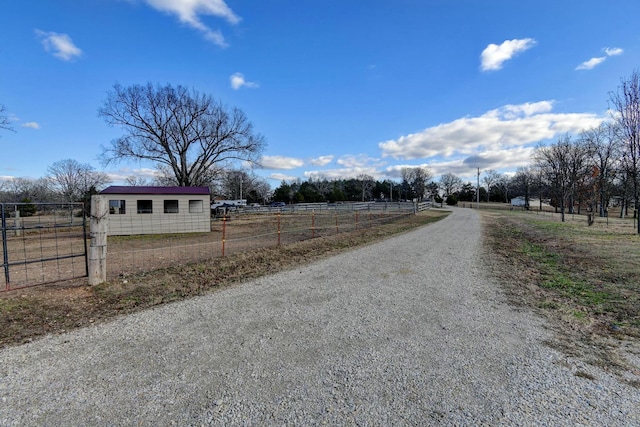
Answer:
(409, 331)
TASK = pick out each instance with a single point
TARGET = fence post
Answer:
(17, 222)
(278, 228)
(98, 230)
(5, 254)
(224, 232)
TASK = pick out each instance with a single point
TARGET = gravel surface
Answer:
(409, 331)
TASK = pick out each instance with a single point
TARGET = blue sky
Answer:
(338, 88)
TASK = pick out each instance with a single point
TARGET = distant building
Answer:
(157, 210)
(519, 201)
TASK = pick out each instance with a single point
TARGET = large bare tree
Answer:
(625, 105)
(187, 132)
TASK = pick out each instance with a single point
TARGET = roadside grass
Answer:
(585, 280)
(28, 313)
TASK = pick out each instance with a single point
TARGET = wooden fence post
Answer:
(279, 232)
(98, 230)
(17, 222)
(224, 232)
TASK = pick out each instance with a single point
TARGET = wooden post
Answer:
(224, 231)
(98, 230)
(278, 229)
(17, 222)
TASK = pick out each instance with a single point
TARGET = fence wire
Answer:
(234, 234)
(42, 243)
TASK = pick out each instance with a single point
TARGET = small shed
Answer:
(157, 210)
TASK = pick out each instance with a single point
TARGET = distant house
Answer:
(518, 201)
(157, 210)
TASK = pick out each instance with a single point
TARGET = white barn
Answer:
(157, 210)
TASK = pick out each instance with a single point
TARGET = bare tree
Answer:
(522, 182)
(4, 119)
(626, 112)
(450, 183)
(19, 189)
(503, 184)
(189, 133)
(73, 180)
(605, 150)
(367, 183)
(555, 162)
(136, 181)
(240, 184)
(323, 186)
(417, 178)
(490, 179)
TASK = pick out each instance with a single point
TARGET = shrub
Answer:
(452, 200)
(27, 208)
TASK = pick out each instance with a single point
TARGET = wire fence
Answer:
(42, 243)
(236, 233)
(612, 217)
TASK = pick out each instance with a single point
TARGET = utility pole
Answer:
(478, 192)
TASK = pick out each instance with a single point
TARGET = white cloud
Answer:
(593, 62)
(60, 45)
(357, 161)
(120, 175)
(282, 177)
(352, 166)
(344, 173)
(280, 162)
(493, 56)
(32, 125)
(189, 12)
(613, 51)
(321, 161)
(503, 128)
(237, 81)
(588, 65)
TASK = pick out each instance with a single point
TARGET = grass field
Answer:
(584, 279)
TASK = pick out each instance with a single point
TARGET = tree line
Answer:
(416, 184)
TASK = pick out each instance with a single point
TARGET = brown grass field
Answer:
(584, 279)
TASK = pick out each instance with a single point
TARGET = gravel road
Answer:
(409, 331)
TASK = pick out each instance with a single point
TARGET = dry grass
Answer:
(585, 280)
(28, 313)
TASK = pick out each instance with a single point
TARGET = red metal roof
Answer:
(124, 189)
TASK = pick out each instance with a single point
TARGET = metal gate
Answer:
(42, 243)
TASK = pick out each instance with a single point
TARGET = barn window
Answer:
(170, 206)
(117, 207)
(145, 206)
(195, 206)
